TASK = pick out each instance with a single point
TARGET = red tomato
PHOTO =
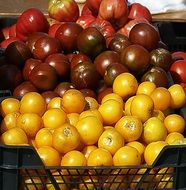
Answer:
(31, 20)
(178, 71)
(180, 54)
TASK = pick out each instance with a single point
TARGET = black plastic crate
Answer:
(173, 34)
(21, 168)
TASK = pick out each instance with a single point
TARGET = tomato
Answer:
(178, 71)
(137, 10)
(180, 54)
(31, 20)
(63, 10)
(146, 87)
(88, 149)
(55, 102)
(85, 20)
(93, 6)
(174, 137)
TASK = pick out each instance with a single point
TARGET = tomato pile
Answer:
(94, 87)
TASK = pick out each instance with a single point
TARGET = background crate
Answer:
(173, 34)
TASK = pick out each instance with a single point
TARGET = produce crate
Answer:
(21, 168)
(173, 34)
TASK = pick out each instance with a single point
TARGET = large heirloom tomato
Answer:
(31, 20)
(63, 10)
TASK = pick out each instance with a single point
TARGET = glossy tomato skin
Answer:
(145, 34)
(93, 6)
(63, 10)
(117, 15)
(85, 75)
(138, 10)
(91, 42)
(178, 71)
(67, 34)
(85, 20)
(62, 87)
(31, 20)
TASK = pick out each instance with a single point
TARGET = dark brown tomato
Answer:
(88, 92)
(112, 72)
(104, 59)
(136, 58)
(85, 75)
(103, 93)
(62, 87)
(145, 34)
(161, 58)
(49, 95)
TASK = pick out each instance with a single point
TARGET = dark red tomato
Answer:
(138, 10)
(112, 72)
(91, 42)
(161, 58)
(85, 10)
(93, 6)
(63, 10)
(136, 58)
(178, 71)
(31, 20)
(103, 93)
(23, 88)
(62, 87)
(85, 75)
(78, 58)
(118, 42)
(88, 92)
(61, 63)
(145, 34)
(53, 28)
(67, 34)
(115, 12)
(85, 20)
(8, 41)
(104, 59)
(49, 95)
(157, 75)
(12, 31)
(46, 46)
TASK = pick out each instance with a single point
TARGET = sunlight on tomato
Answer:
(14, 136)
(152, 150)
(73, 118)
(33, 102)
(125, 85)
(178, 96)
(73, 101)
(175, 123)
(55, 102)
(9, 121)
(130, 127)
(161, 98)
(90, 129)
(65, 138)
(49, 156)
(111, 140)
(127, 155)
(88, 149)
(146, 87)
(142, 106)
(31, 123)
(44, 137)
(54, 118)
(100, 157)
(111, 111)
(9, 105)
(173, 137)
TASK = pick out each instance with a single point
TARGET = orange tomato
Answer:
(128, 105)
(154, 130)
(14, 136)
(33, 102)
(73, 118)
(159, 114)
(130, 127)
(31, 123)
(90, 129)
(65, 138)
(127, 155)
(100, 157)
(146, 87)
(49, 156)
(111, 111)
(125, 85)
(178, 96)
(152, 150)
(173, 137)
(138, 145)
(161, 98)
(73, 101)
(142, 106)
(9, 121)
(88, 149)
(55, 102)
(111, 140)
(9, 105)
(91, 103)
(54, 118)
(174, 123)
(44, 137)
